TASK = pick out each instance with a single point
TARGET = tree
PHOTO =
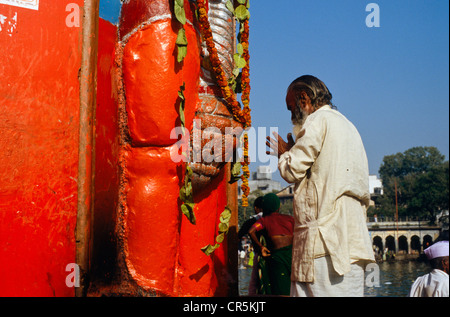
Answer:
(244, 213)
(422, 178)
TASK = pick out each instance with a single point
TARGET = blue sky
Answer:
(392, 82)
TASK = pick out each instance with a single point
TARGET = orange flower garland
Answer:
(241, 115)
(245, 97)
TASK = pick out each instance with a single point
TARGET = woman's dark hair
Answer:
(316, 90)
(258, 202)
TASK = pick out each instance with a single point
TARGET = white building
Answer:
(375, 189)
(262, 180)
(375, 185)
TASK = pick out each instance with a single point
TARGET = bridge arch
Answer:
(415, 244)
(409, 236)
(427, 241)
(378, 242)
(390, 243)
(403, 244)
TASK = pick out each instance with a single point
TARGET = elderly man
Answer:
(435, 283)
(328, 165)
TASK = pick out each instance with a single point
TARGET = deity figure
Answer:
(159, 248)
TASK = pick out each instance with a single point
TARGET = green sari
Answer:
(275, 272)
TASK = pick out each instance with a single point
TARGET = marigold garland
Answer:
(241, 115)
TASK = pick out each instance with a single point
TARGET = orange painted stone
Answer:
(152, 79)
(39, 113)
(160, 247)
(152, 216)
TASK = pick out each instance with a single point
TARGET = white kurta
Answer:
(329, 167)
(433, 284)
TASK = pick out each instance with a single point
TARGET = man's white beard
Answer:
(296, 128)
(298, 123)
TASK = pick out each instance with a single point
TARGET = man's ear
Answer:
(303, 96)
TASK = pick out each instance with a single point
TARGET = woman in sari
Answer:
(275, 267)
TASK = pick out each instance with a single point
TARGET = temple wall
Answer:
(39, 119)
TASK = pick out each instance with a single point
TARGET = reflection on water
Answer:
(244, 278)
(396, 279)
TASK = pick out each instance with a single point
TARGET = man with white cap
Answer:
(435, 283)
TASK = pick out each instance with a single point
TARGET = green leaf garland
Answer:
(224, 226)
(186, 194)
(181, 41)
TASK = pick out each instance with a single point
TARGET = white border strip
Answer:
(28, 4)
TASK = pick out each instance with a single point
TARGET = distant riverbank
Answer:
(391, 257)
(395, 278)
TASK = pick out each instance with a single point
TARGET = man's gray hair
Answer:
(316, 90)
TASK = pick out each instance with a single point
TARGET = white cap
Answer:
(437, 250)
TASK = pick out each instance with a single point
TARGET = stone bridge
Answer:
(405, 237)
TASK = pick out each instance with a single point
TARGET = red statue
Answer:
(159, 248)
(89, 180)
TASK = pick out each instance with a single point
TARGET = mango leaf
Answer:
(182, 194)
(209, 249)
(223, 227)
(181, 45)
(182, 119)
(182, 106)
(236, 169)
(188, 210)
(186, 194)
(230, 6)
(240, 49)
(182, 52)
(239, 61)
(181, 91)
(179, 11)
(235, 172)
(236, 72)
(220, 238)
(225, 215)
(181, 37)
(189, 171)
(242, 13)
(232, 83)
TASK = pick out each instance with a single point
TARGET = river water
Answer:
(395, 278)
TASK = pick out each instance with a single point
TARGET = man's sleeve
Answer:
(294, 163)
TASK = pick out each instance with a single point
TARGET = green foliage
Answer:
(230, 6)
(224, 226)
(186, 194)
(239, 61)
(241, 13)
(235, 172)
(180, 14)
(182, 106)
(422, 180)
(181, 41)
